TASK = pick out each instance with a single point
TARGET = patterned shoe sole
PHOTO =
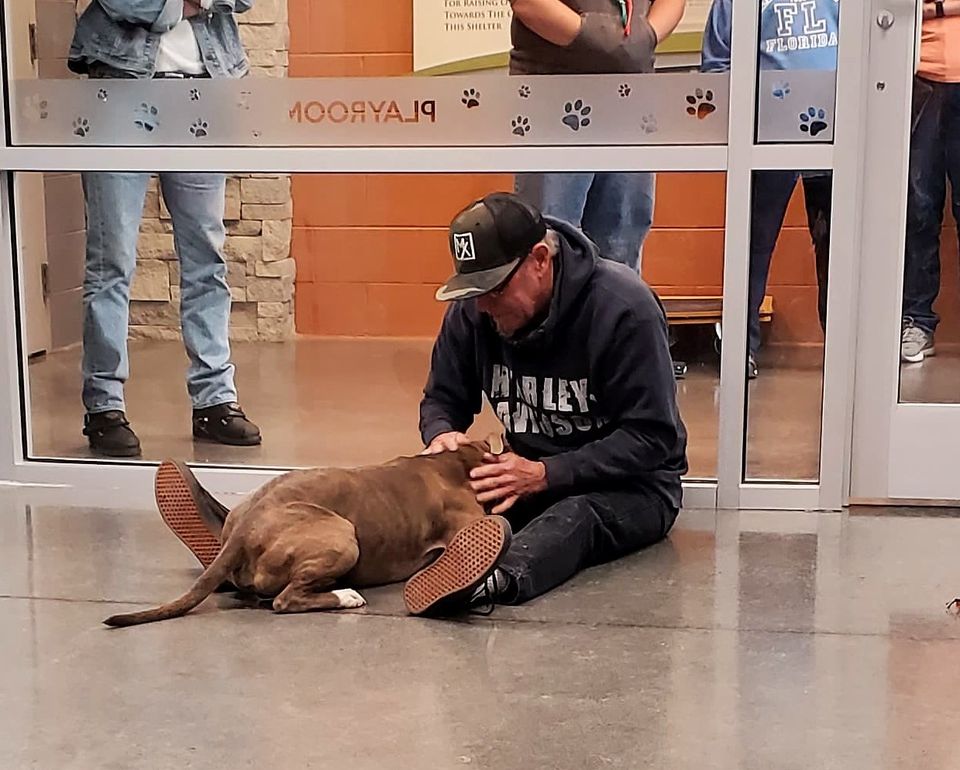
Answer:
(466, 562)
(179, 512)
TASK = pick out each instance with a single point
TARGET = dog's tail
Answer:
(206, 584)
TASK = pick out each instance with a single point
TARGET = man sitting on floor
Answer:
(571, 351)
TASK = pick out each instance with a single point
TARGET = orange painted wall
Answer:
(371, 249)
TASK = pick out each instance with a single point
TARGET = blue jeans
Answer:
(114, 206)
(556, 537)
(614, 209)
(934, 156)
(771, 195)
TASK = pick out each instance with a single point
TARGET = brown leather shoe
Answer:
(449, 583)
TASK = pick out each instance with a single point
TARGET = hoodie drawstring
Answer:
(626, 15)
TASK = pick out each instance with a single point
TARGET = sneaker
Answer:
(752, 369)
(916, 343)
(110, 434)
(225, 424)
(498, 586)
(186, 507)
(451, 583)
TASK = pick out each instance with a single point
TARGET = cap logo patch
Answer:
(463, 248)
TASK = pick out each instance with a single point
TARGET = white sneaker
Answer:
(915, 343)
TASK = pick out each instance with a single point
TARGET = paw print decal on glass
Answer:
(700, 104)
(194, 95)
(102, 95)
(199, 128)
(520, 125)
(36, 108)
(813, 121)
(576, 115)
(81, 127)
(781, 90)
(648, 124)
(524, 92)
(624, 90)
(147, 117)
(471, 98)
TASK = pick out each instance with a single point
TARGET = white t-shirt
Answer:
(179, 51)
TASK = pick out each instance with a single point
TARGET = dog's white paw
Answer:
(349, 599)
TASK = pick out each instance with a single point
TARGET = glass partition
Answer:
(786, 322)
(930, 326)
(797, 70)
(332, 310)
(321, 74)
(331, 276)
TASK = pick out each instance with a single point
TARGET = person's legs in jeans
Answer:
(196, 204)
(951, 127)
(614, 209)
(114, 207)
(770, 197)
(555, 539)
(619, 213)
(559, 195)
(818, 198)
(926, 194)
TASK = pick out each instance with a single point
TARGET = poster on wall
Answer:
(694, 17)
(464, 35)
(460, 35)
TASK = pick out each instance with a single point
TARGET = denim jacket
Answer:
(125, 35)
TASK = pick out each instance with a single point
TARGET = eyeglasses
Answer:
(506, 281)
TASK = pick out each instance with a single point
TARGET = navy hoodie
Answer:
(589, 391)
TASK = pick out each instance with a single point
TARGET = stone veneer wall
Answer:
(258, 218)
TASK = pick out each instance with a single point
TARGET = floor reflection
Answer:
(350, 402)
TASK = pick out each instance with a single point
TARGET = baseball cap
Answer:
(488, 240)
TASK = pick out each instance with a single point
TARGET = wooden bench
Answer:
(692, 310)
(703, 310)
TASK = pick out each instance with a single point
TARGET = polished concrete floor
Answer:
(319, 401)
(746, 641)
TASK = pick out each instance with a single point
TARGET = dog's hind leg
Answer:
(307, 589)
(305, 599)
(326, 549)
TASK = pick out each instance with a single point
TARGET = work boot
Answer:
(110, 434)
(225, 424)
(451, 583)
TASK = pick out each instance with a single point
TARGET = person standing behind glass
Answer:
(566, 37)
(794, 35)
(934, 156)
(158, 39)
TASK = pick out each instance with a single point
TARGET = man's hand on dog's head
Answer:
(446, 442)
(506, 478)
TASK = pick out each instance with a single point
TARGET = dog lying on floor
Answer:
(308, 532)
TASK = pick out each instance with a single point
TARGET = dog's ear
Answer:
(497, 444)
